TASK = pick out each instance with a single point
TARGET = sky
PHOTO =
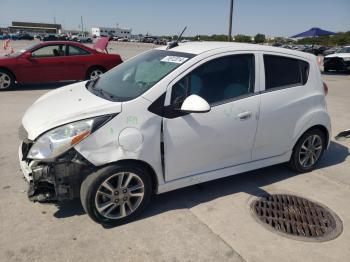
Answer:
(169, 17)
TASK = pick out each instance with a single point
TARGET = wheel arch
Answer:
(140, 164)
(9, 71)
(320, 127)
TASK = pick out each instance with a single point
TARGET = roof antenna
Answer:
(173, 44)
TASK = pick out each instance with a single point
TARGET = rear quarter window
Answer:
(282, 72)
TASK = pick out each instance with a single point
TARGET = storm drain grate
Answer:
(298, 217)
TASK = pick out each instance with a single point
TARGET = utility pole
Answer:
(82, 25)
(229, 36)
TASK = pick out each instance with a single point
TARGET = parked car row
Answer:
(48, 37)
(16, 37)
(335, 58)
(64, 37)
(312, 49)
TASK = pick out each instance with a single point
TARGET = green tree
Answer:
(243, 38)
(259, 38)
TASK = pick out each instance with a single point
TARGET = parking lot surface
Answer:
(206, 222)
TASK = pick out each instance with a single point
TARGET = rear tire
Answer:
(7, 80)
(94, 72)
(308, 151)
(116, 195)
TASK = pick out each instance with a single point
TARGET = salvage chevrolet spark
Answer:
(173, 117)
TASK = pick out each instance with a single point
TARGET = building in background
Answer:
(34, 28)
(110, 31)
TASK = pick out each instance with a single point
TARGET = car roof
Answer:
(64, 43)
(201, 47)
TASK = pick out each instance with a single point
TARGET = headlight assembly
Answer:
(346, 59)
(58, 140)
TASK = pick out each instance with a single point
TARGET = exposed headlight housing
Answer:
(58, 140)
(346, 59)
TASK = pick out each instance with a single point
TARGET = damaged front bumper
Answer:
(56, 180)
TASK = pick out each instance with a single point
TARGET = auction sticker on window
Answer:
(174, 59)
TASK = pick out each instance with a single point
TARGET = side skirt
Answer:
(220, 173)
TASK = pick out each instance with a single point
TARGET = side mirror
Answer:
(195, 104)
(27, 55)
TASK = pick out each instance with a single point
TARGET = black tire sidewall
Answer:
(88, 74)
(294, 162)
(91, 184)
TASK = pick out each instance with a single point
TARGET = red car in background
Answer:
(54, 61)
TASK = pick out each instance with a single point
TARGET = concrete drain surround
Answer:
(297, 217)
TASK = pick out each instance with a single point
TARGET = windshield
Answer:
(134, 77)
(344, 50)
(17, 53)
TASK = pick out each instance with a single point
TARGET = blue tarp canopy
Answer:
(315, 31)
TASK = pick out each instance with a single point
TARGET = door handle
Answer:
(245, 115)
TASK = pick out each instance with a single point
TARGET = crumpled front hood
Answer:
(64, 105)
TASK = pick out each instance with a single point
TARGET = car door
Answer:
(78, 61)
(46, 64)
(286, 102)
(201, 142)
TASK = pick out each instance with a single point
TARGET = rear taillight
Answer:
(325, 88)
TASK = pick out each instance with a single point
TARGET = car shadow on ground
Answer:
(249, 182)
(41, 86)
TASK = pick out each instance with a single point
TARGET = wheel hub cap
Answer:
(119, 195)
(5, 81)
(310, 151)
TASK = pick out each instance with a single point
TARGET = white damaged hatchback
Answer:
(170, 118)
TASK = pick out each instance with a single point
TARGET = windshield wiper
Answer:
(102, 92)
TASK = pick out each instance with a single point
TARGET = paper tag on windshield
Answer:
(174, 59)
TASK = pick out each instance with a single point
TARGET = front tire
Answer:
(117, 194)
(7, 81)
(308, 151)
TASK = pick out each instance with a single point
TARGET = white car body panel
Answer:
(200, 146)
(64, 105)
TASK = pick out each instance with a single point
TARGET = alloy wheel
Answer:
(310, 151)
(5, 80)
(119, 195)
(95, 73)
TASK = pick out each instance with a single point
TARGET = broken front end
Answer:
(57, 180)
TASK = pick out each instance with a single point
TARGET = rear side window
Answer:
(284, 72)
(74, 50)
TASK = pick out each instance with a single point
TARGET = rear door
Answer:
(201, 142)
(47, 64)
(285, 101)
(78, 62)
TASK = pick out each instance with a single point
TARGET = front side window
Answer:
(218, 81)
(134, 77)
(284, 71)
(74, 50)
(50, 51)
